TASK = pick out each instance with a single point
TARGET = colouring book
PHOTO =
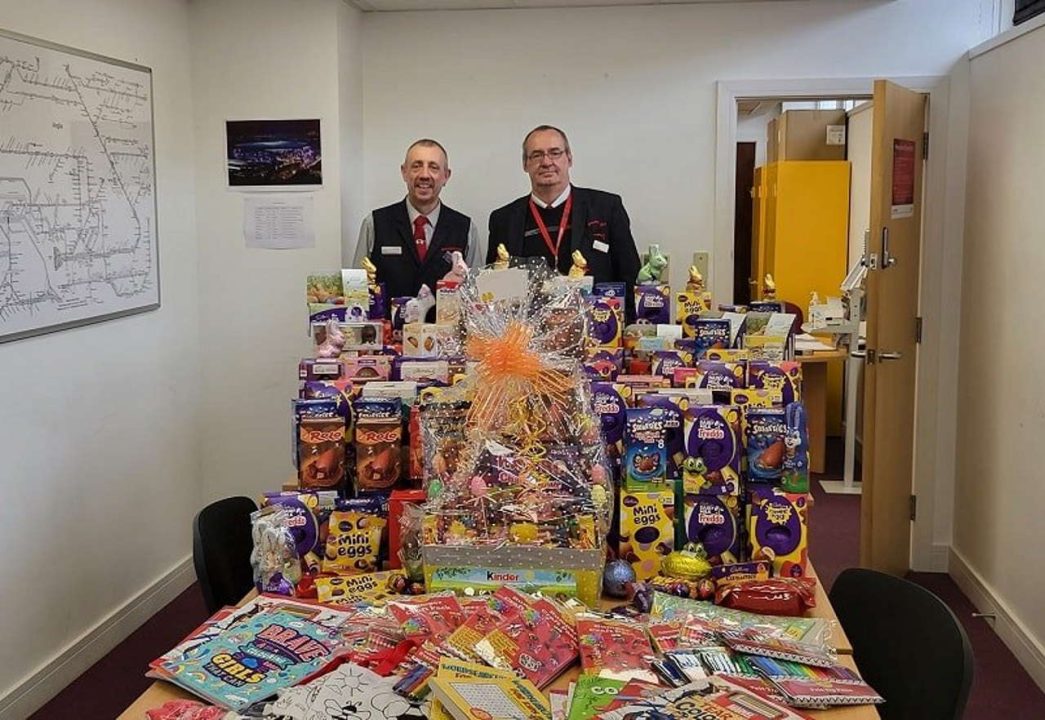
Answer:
(253, 659)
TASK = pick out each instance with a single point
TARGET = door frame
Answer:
(943, 212)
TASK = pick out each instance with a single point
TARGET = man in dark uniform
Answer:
(407, 241)
(557, 218)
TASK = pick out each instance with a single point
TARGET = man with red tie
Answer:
(409, 241)
(557, 218)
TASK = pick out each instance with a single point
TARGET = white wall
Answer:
(100, 452)
(998, 531)
(350, 102)
(858, 152)
(263, 59)
(634, 88)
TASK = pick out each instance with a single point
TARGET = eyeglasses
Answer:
(539, 155)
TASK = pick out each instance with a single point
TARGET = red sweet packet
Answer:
(776, 596)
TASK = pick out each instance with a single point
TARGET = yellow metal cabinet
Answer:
(804, 242)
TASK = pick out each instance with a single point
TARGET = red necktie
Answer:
(419, 236)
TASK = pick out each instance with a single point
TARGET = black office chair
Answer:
(221, 545)
(907, 644)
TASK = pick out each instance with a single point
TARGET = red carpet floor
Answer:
(1001, 688)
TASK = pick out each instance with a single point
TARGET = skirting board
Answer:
(1027, 650)
(37, 689)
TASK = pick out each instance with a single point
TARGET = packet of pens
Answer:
(809, 630)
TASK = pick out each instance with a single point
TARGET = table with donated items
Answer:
(814, 396)
(160, 692)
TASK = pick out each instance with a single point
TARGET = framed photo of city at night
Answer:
(267, 153)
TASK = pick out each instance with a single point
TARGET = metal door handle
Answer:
(890, 356)
(858, 354)
(887, 259)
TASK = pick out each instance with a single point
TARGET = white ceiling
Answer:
(403, 5)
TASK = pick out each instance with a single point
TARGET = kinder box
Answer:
(785, 377)
(553, 571)
(645, 448)
(647, 529)
(714, 521)
(778, 529)
(713, 448)
(765, 430)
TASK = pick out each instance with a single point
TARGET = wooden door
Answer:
(758, 231)
(742, 224)
(897, 155)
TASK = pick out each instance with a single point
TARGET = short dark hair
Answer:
(542, 128)
(429, 142)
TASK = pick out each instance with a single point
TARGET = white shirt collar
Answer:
(433, 217)
(554, 203)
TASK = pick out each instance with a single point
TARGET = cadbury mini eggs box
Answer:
(647, 529)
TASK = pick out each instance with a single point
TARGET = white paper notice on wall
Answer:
(836, 134)
(278, 222)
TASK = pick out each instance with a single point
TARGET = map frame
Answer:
(154, 273)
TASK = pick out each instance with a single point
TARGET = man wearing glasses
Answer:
(557, 218)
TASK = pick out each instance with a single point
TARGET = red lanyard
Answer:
(543, 229)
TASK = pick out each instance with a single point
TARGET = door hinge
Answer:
(925, 146)
(917, 329)
(914, 508)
